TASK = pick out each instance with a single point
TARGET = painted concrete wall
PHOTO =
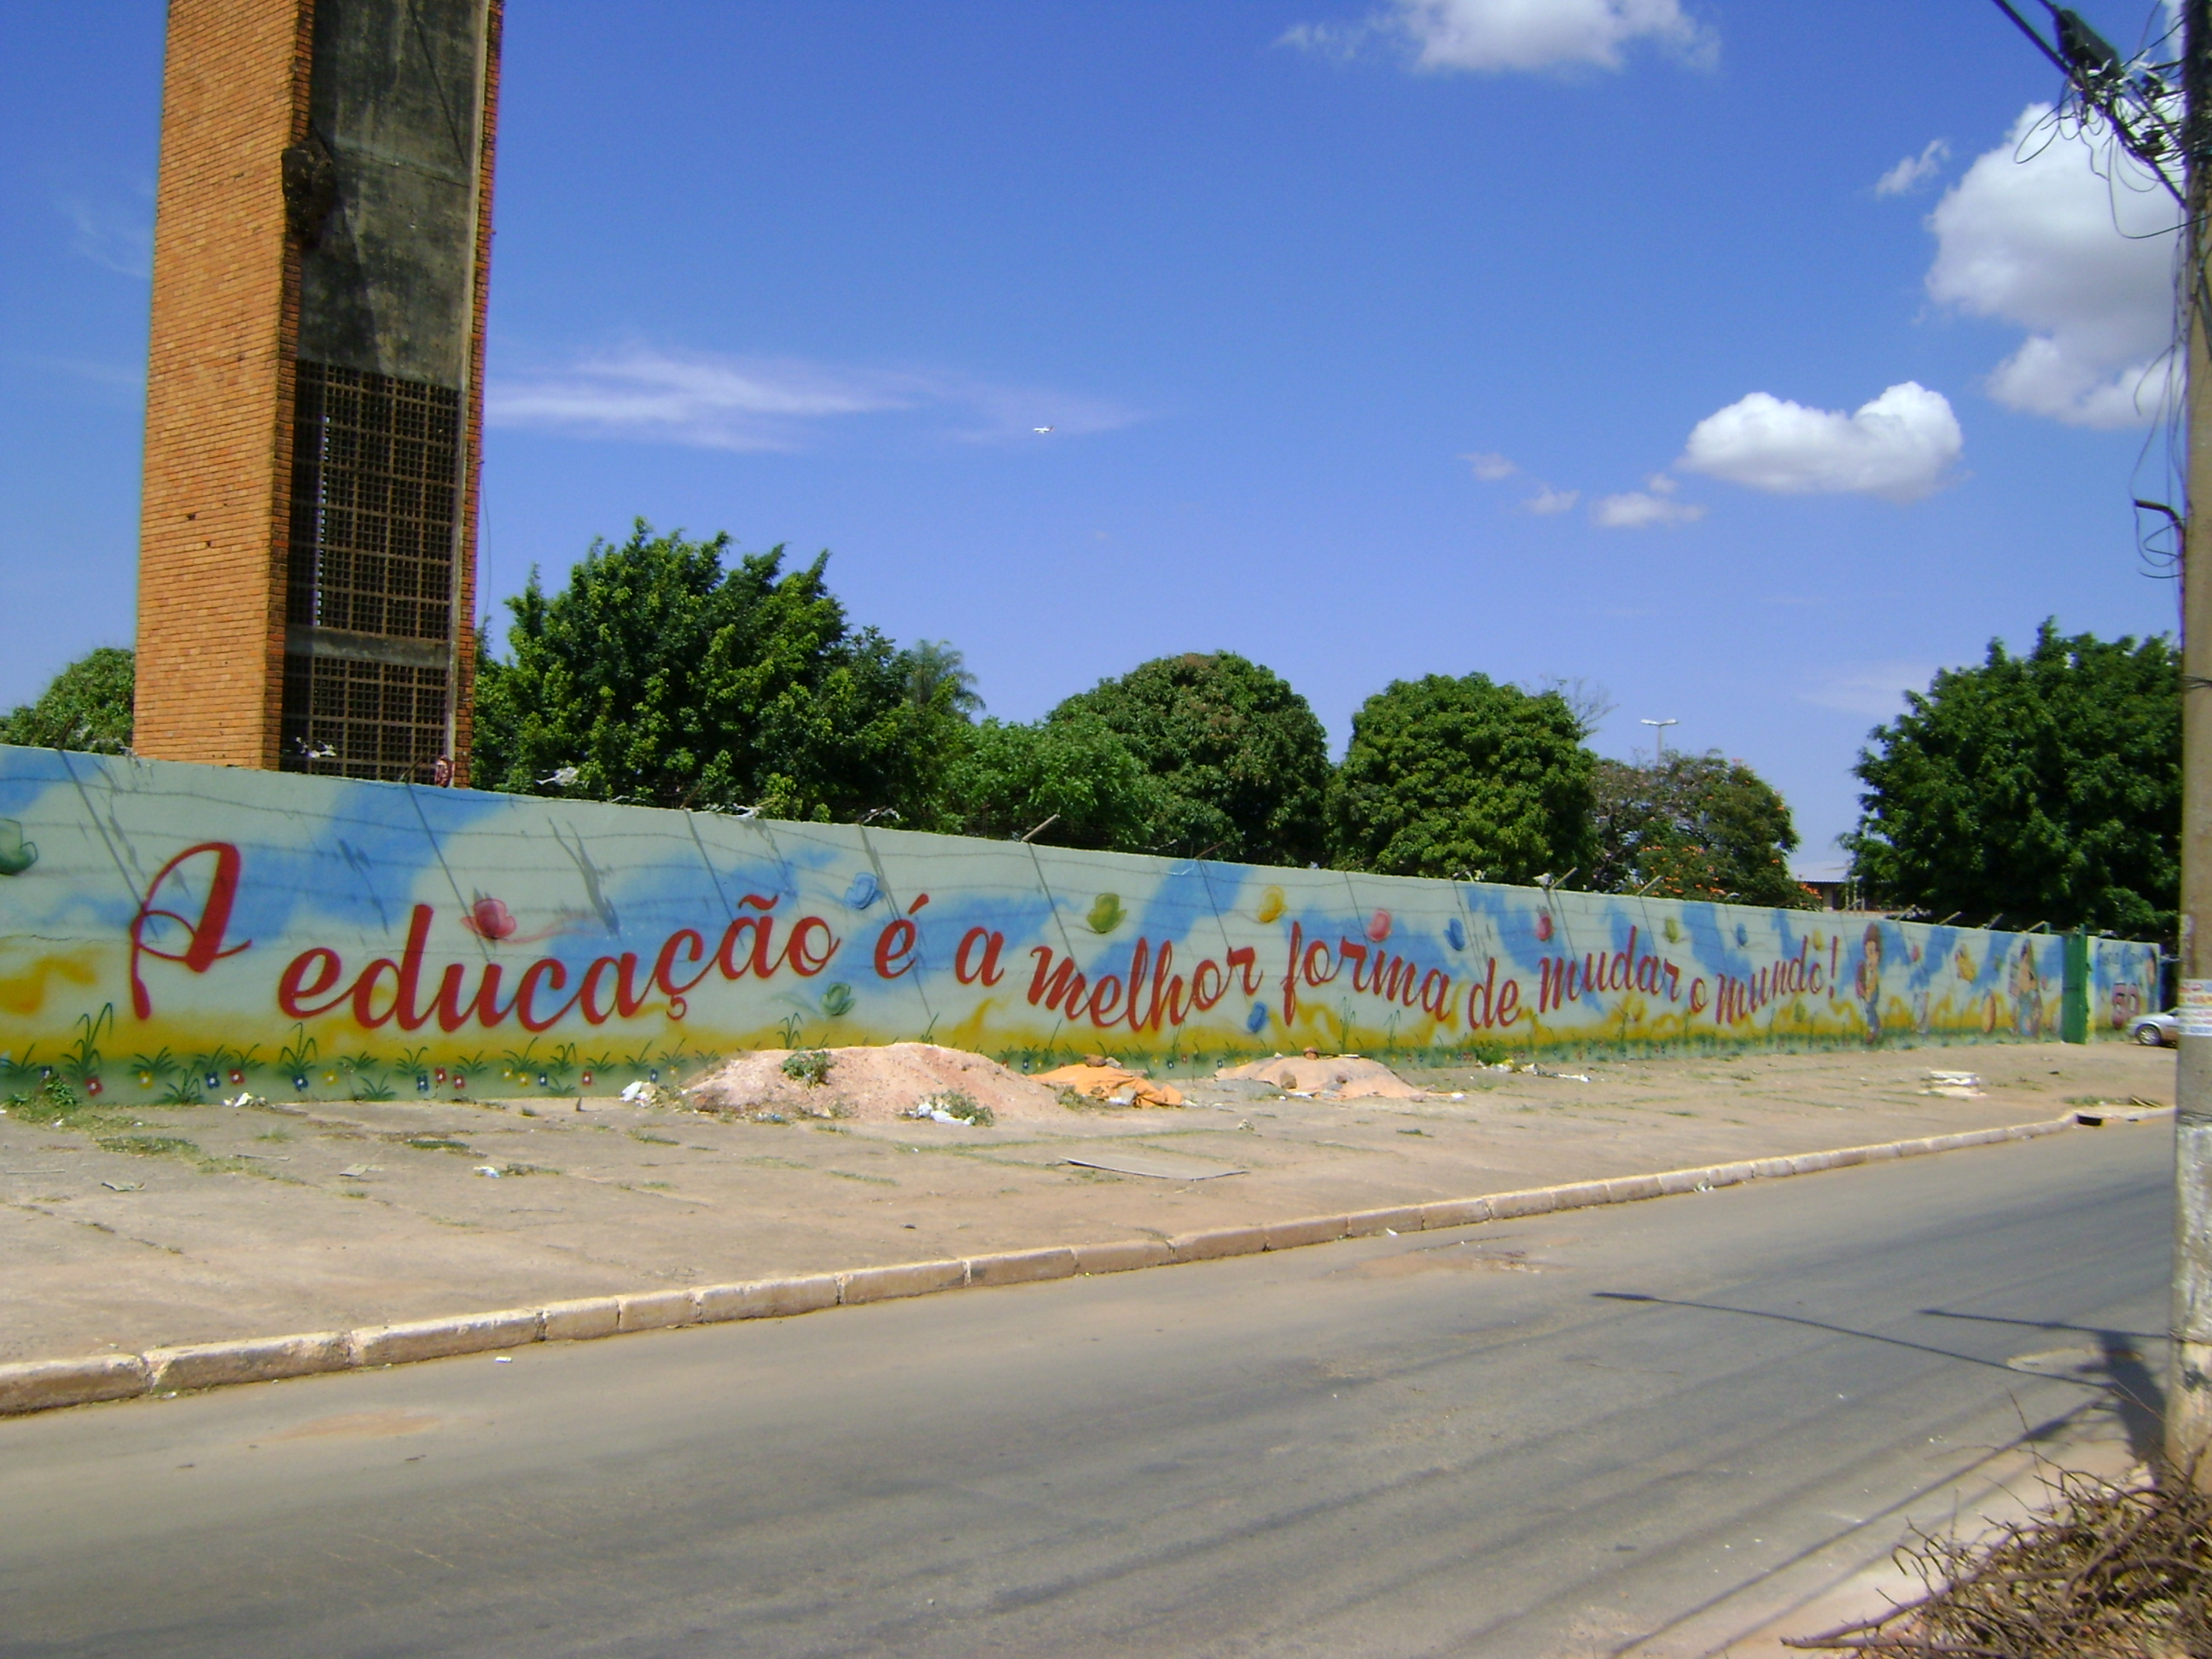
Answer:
(168, 930)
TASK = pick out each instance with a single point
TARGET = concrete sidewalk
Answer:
(126, 1229)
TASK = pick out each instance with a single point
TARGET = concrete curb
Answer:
(45, 1384)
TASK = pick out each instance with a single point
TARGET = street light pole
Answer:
(1659, 737)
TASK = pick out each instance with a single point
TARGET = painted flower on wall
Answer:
(1543, 926)
(864, 890)
(488, 919)
(1378, 926)
(1271, 905)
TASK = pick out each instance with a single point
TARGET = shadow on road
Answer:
(2139, 1397)
(2119, 1371)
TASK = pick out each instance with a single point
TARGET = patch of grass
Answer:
(52, 1105)
(440, 1144)
(275, 1134)
(653, 1139)
(809, 1066)
(148, 1145)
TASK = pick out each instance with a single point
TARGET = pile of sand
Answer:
(1347, 1077)
(1102, 1079)
(873, 1084)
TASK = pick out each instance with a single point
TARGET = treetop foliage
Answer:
(1694, 827)
(1242, 757)
(88, 706)
(1070, 782)
(2042, 787)
(1446, 776)
(658, 676)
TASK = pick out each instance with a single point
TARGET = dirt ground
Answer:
(129, 1227)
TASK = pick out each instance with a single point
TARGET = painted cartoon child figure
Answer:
(1868, 981)
(2027, 994)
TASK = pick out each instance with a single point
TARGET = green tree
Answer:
(1447, 776)
(1695, 827)
(657, 676)
(1243, 758)
(2042, 787)
(939, 665)
(88, 706)
(1074, 782)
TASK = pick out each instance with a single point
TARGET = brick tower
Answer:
(314, 388)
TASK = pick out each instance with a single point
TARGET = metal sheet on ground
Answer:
(1164, 1165)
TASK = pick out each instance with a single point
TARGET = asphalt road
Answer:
(1564, 1437)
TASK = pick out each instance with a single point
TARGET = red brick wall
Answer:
(214, 511)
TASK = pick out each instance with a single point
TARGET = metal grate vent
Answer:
(375, 491)
(363, 720)
(375, 498)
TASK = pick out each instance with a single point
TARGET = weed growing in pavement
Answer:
(52, 1105)
(809, 1066)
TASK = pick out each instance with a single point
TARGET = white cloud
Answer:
(1900, 446)
(1547, 501)
(116, 238)
(1639, 509)
(2033, 235)
(750, 404)
(1489, 467)
(1876, 690)
(1914, 169)
(1504, 35)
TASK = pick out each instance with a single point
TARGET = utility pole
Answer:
(1659, 737)
(2134, 103)
(2189, 1390)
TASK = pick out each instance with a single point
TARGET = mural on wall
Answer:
(183, 933)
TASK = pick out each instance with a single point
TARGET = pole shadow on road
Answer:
(2116, 1369)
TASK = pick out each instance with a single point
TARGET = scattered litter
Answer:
(1162, 1166)
(359, 1172)
(1345, 1077)
(951, 1106)
(870, 1084)
(1954, 1085)
(503, 1359)
(124, 1186)
(245, 1099)
(490, 1169)
(1563, 1076)
(1102, 1080)
(642, 1093)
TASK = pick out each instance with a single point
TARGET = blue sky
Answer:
(1325, 302)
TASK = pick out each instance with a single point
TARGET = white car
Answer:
(2155, 1030)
